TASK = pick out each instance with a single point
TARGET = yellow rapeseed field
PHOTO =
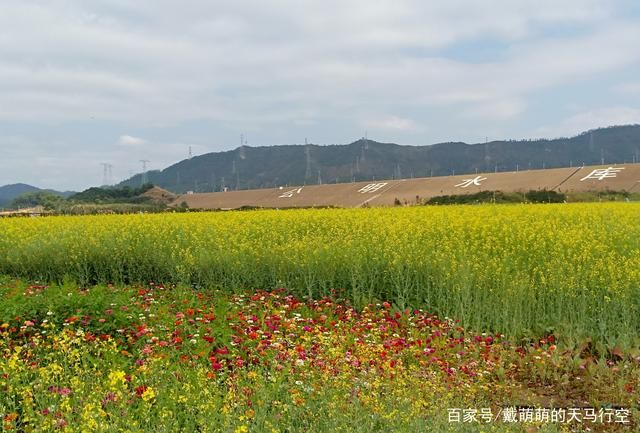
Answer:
(573, 270)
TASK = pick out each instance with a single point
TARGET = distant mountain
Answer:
(9, 192)
(269, 166)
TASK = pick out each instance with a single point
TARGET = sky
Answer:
(85, 83)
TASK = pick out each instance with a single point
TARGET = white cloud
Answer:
(496, 110)
(128, 140)
(630, 88)
(159, 62)
(586, 120)
(313, 67)
(390, 123)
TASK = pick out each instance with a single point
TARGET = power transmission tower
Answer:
(106, 173)
(307, 153)
(144, 179)
(235, 170)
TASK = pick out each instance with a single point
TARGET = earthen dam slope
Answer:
(620, 177)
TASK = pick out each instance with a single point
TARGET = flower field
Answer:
(464, 318)
(159, 358)
(520, 270)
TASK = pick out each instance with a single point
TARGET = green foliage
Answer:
(544, 196)
(476, 198)
(112, 208)
(9, 192)
(603, 196)
(92, 201)
(48, 200)
(125, 194)
(499, 197)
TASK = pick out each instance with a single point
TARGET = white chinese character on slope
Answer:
(290, 194)
(603, 173)
(372, 187)
(468, 182)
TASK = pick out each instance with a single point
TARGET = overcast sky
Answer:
(84, 82)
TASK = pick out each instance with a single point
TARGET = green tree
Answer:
(46, 199)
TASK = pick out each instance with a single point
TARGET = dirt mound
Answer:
(159, 195)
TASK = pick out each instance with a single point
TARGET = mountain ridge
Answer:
(304, 164)
(11, 191)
